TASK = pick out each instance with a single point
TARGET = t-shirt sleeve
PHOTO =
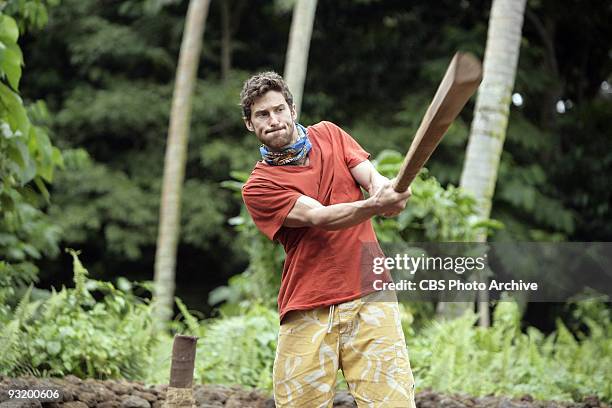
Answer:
(353, 152)
(269, 205)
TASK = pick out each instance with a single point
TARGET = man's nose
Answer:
(274, 119)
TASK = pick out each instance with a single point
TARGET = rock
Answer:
(109, 404)
(73, 379)
(123, 394)
(134, 401)
(102, 393)
(119, 389)
(509, 404)
(208, 395)
(236, 402)
(344, 399)
(162, 388)
(448, 402)
(269, 403)
(89, 398)
(145, 395)
(153, 390)
(21, 404)
(68, 393)
(75, 404)
(591, 401)
(19, 384)
(4, 396)
(426, 399)
(139, 386)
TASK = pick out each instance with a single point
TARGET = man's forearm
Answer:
(308, 212)
(343, 215)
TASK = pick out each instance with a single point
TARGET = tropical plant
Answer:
(27, 162)
(73, 333)
(456, 356)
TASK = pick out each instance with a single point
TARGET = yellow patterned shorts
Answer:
(362, 337)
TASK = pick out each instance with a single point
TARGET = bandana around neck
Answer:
(290, 155)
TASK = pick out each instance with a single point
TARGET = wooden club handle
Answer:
(460, 81)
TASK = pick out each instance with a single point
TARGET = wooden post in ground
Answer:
(180, 392)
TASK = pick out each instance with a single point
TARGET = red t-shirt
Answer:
(322, 267)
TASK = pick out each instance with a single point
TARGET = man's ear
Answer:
(293, 112)
(248, 124)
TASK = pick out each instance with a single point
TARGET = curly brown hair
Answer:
(258, 85)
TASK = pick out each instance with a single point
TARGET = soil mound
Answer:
(72, 392)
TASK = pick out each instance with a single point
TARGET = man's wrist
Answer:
(378, 183)
(373, 204)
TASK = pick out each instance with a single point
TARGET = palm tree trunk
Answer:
(490, 122)
(175, 159)
(297, 52)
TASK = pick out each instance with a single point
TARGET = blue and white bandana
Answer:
(290, 155)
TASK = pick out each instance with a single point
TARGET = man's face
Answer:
(273, 121)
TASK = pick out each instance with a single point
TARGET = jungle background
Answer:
(86, 90)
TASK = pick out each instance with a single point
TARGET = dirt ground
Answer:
(76, 393)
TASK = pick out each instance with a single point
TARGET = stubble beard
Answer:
(290, 131)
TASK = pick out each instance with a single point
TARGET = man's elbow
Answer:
(316, 220)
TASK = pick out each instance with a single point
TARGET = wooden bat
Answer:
(460, 81)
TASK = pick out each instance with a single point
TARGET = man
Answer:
(305, 194)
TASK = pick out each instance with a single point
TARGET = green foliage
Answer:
(30, 14)
(456, 356)
(144, 7)
(524, 199)
(110, 89)
(73, 333)
(27, 162)
(117, 195)
(230, 350)
(10, 338)
(433, 213)
(246, 354)
(113, 190)
(582, 172)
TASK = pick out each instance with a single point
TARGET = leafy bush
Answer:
(72, 333)
(27, 162)
(10, 341)
(230, 350)
(239, 349)
(433, 213)
(456, 356)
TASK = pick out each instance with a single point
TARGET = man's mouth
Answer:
(274, 130)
